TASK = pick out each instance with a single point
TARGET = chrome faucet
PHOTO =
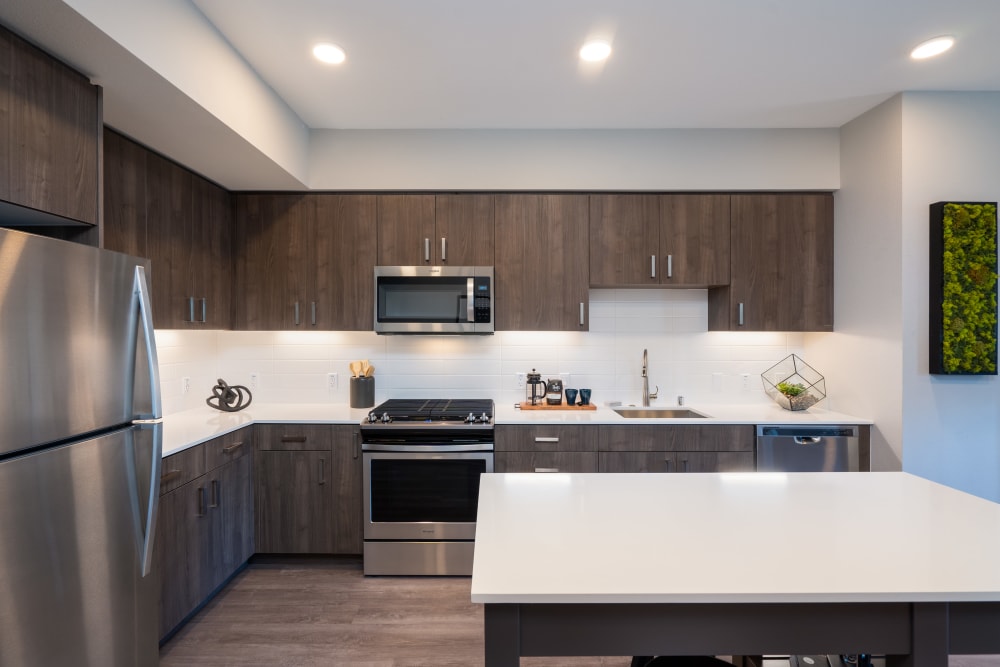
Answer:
(646, 396)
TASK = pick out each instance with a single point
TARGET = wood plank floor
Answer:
(314, 613)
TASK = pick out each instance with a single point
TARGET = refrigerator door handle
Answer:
(145, 526)
(141, 292)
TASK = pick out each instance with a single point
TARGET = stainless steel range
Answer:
(422, 462)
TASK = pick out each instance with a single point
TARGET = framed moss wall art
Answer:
(963, 288)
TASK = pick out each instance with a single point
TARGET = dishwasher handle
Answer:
(806, 439)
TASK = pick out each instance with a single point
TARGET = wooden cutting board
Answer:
(563, 406)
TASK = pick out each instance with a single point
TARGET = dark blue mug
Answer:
(570, 396)
(584, 397)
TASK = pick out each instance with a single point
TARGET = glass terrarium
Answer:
(793, 384)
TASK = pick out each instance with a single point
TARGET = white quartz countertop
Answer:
(191, 427)
(732, 538)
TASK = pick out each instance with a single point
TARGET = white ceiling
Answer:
(676, 63)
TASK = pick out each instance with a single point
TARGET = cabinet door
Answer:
(346, 471)
(344, 257)
(182, 530)
(542, 262)
(543, 462)
(624, 240)
(207, 254)
(6, 139)
(694, 240)
(463, 230)
(124, 195)
(637, 462)
(272, 234)
(294, 502)
(714, 461)
(54, 127)
(169, 205)
(406, 230)
(781, 266)
(231, 506)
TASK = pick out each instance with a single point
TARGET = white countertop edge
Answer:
(747, 598)
(193, 427)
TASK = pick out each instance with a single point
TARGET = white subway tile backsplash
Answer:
(684, 357)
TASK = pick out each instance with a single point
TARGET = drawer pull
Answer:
(214, 502)
(322, 472)
(546, 469)
(669, 463)
(293, 438)
(201, 501)
(170, 476)
(539, 438)
(232, 448)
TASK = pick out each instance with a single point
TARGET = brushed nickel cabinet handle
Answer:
(539, 438)
(684, 465)
(296, 313)
(232, 448)
(201, 501)
(741, 314)
(652, 266)
(214, 502)
(546, 469)
(190, 317)
(357, 448)
(670, 266)
(322, 472)
(427, 250)
(314, 313)
(668, 462)
(204, 310)
(444, 249)
(582, 316)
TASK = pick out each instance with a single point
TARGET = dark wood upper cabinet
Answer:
(694, 240)
(659, 240)
(305, 261)
(781, 267)
(181, 222)
(624, 240)
(435, 230)
(464, 228)
(542, 253)
(405, 230)
(50, 128)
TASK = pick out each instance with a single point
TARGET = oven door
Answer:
(422, 495)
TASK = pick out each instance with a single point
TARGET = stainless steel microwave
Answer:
(434, 299)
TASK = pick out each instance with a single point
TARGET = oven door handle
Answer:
(429, 449)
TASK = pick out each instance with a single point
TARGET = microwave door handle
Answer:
(470, 299)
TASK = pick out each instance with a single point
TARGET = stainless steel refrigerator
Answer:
(80, 448)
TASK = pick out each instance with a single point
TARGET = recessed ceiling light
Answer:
(329, 53)
(595, 50)
(932, 47)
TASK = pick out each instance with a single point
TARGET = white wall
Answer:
(684, 358)
(575, 159)
(862, 359)
(951, 151)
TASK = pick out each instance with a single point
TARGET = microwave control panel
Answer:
(482, 300)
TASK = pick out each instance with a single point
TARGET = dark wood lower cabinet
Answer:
(204, 530)
(676, 462)
(346, 479)
(545, 462)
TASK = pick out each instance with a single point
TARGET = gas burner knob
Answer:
(485, 418)
(471, 419)
(386, 418)
(372, 418)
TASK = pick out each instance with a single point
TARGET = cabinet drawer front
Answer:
(180, 468)
(692, 438)
(226, 448)
(543, 462)
(545, 438)
(637, 462)
(294, 437)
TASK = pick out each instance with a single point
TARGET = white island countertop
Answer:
(191, 427)
(732, 538)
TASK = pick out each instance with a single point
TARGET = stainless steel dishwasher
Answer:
(807, 448)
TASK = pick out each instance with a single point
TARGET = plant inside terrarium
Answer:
(790, 390)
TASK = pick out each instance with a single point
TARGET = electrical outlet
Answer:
(522, 378)
(254, 381)
(185, 385)
(746, 381)
(331, 382)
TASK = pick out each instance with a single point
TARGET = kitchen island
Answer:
(743, 564)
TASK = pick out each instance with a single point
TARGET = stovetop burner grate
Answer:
(435, 410)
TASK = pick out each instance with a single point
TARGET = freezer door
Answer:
(70, 341)
(74, 526)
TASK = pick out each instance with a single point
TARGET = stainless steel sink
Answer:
(660, 413)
